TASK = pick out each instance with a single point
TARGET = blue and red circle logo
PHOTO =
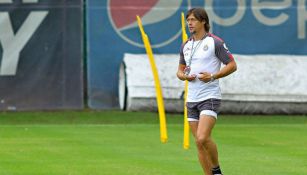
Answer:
(161, 20)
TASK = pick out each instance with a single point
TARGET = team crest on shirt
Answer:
(205, 48)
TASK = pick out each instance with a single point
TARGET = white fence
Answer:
(262, 84)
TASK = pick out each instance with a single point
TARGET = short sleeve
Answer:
(181, 59)
(222, 52)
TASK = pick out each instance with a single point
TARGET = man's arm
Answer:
(226, 70)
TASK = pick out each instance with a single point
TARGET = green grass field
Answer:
(128, 143)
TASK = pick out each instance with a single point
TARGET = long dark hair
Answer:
(201, 15)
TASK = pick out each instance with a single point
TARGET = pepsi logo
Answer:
(160, 19)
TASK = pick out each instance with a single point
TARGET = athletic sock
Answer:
(216, 171)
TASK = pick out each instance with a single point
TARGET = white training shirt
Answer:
(209, 53)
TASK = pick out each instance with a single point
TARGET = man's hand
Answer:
(204, 76)
(190, 77)
(181, 73)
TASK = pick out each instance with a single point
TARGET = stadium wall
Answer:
(42, 43)
(41, 54)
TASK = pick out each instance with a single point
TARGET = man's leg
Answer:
(203, 155)
(205, 126)
(207, 150)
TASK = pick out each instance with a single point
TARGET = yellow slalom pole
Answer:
(161, 110)
(184, 33)
(186, 128)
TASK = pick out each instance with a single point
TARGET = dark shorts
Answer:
(208, 107)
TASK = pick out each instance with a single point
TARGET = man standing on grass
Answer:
(200, 63)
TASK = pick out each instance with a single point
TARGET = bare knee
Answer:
(202, 141)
